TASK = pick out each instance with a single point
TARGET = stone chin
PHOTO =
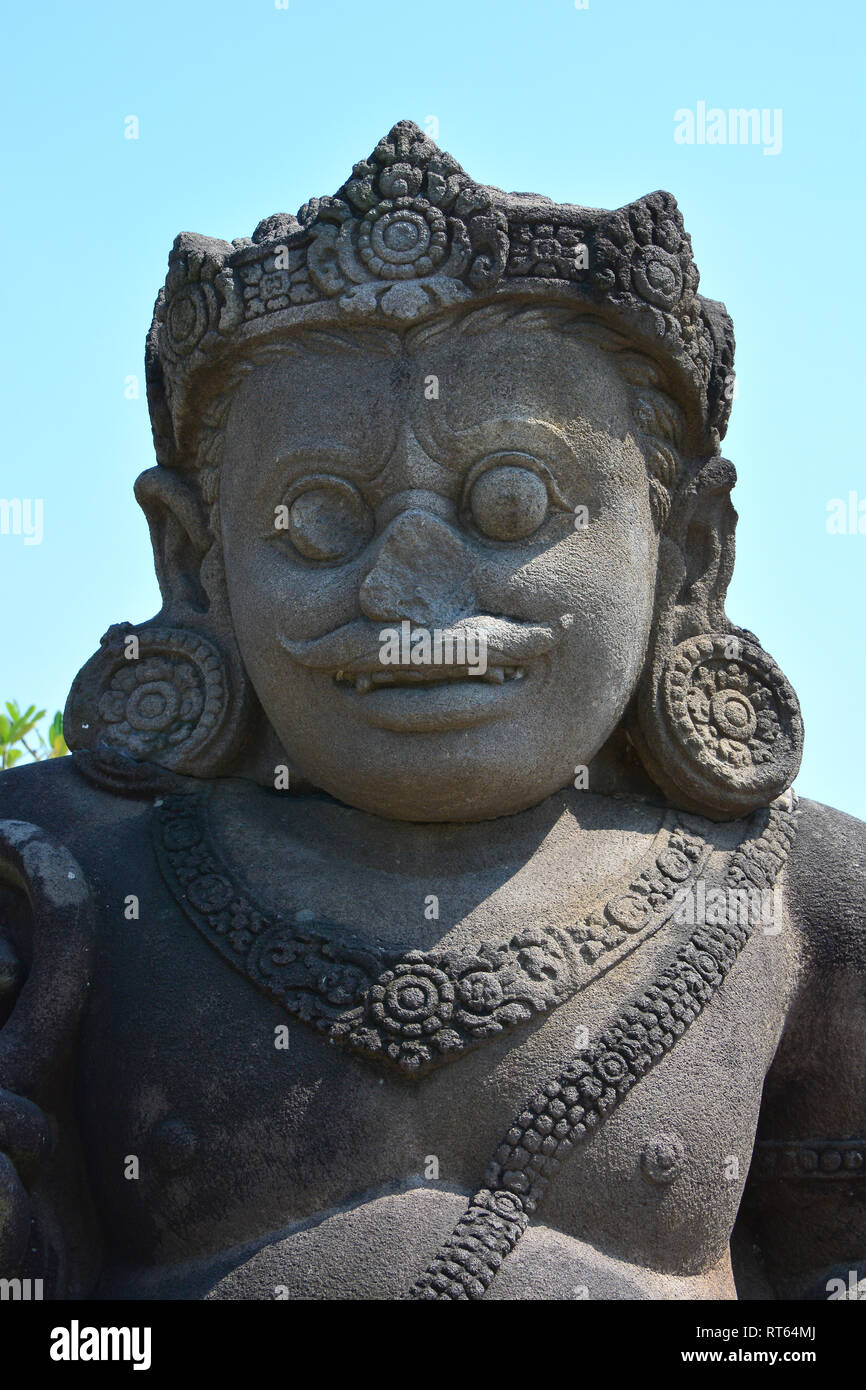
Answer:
(455, 775)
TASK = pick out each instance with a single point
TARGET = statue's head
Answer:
(439, 515)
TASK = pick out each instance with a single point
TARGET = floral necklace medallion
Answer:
(415, 1009)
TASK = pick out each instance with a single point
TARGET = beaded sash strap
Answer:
(415, 1009)
(567, 1108)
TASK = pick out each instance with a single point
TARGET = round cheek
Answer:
(601, 580)
(611, 577)
(617, 601)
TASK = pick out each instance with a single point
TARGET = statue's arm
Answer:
(19, 1149)
(805, 1203)
(47, 922)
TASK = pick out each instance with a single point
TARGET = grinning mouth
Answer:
(365, 681)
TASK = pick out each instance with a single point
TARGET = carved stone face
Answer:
(370, 483)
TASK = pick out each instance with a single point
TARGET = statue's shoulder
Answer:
(827, 885)
(79, 798)
(46, 793)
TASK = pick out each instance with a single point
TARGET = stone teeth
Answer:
(367, 680)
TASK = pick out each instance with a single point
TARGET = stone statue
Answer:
(425, 911)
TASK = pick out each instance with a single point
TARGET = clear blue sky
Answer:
(246, 109)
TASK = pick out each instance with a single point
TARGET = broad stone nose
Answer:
(423, 572)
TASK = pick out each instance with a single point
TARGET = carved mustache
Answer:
(356, 647)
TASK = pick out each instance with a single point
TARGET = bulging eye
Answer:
(328, 519)
(509, 500)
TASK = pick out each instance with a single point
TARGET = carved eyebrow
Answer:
(459, 448)
(315, 453)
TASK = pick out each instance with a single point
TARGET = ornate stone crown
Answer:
(409, 233)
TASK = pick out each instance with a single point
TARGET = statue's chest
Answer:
(213, 1115)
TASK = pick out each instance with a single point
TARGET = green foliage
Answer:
(19, 735)
(56, 741)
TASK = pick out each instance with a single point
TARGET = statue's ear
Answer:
(714, 721)
(180, 537)
(172, 690)
(696, 556)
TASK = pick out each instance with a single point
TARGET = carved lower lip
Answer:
(433, 705)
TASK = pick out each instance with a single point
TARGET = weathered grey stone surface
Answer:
(508, 968)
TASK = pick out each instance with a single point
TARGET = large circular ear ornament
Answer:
(718, 726)
(160, 695)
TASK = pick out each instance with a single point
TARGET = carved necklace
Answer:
(415, 1009)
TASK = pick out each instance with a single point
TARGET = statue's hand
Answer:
(25, 1141)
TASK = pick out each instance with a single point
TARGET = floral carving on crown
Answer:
(411, 232)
